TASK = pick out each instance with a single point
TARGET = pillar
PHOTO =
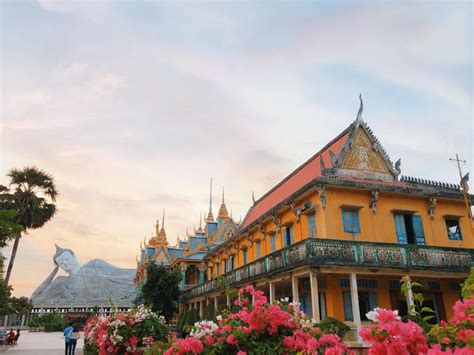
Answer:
(5, 322)
(216, 304)
(294, 287)
(202, 270)
(313, 279)
(183, 275)
(228, 301)
(355, 303)
(271, 291)
(201, 308)
(23, 318)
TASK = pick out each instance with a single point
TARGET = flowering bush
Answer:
(457, 335)
(123, 333)
(258, 328)
(389, 335)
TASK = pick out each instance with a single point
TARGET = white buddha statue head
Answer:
(66, 260)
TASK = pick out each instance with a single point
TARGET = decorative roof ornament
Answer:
(361, 109)
(210, 216)
(200, 223)
(223, 214)
(397, 166)
(253, 197)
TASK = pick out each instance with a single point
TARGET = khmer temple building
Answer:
(188, 254)
(337, 235)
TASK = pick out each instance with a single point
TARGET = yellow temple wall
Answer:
(375, 227)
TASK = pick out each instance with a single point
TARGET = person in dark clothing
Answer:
(67, 339)
(73, 337)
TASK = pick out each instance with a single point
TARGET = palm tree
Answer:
(32, 193)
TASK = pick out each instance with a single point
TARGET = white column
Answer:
(23, 318)
(313, 279)
(5, 322)
(201, 308)
(271, 292)
(294, 286)
(216, 304)
(355, 303)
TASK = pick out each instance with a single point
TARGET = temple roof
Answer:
(297, 179)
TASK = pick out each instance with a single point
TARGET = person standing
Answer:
(73, 337)
(67, 339)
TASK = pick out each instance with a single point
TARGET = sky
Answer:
(133, 106)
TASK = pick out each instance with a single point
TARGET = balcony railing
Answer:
(330, 252)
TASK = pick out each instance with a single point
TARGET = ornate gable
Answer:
(363, 156)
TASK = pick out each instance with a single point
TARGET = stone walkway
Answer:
(40, 343)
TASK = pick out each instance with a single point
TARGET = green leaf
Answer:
(427, 309)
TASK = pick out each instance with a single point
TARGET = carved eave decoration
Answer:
(322, 194)
(374, 198)
(432, 206)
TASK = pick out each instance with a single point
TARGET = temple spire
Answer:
(163, 220)
(222, 214)
(361, 109)
(210, 217)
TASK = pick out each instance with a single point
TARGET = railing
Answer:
(328, 252)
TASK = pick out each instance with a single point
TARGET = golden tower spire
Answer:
(210, 217)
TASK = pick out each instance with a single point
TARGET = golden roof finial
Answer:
(222, 214)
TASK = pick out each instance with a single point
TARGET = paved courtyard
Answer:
(39, 343)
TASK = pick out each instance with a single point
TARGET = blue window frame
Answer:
(454, 229)
(312, 225)
(350, 221)
(218, 269)
(288, 236)
(244, 256)
(272, 242)
(409, 229)
(259, 249)
(226, 262)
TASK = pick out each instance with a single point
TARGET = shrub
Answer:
(209, 312)
(120, 333)
(334, 326)
(53, 322)
(192, 317)
(467, 290)
(257, 328)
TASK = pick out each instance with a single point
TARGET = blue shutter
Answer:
(347, 221)
(291, 234)
(356, 221)
(418, 229)
(372, 301)
(272, 242)
(400, 229)
(347, 306)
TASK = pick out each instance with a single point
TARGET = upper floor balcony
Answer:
(331, 252)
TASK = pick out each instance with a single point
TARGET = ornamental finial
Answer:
(361, 109)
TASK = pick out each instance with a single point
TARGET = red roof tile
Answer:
(297, 179)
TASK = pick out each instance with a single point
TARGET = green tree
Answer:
(161, 291)
(8, 228)
(5, 291)
(31, 194)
